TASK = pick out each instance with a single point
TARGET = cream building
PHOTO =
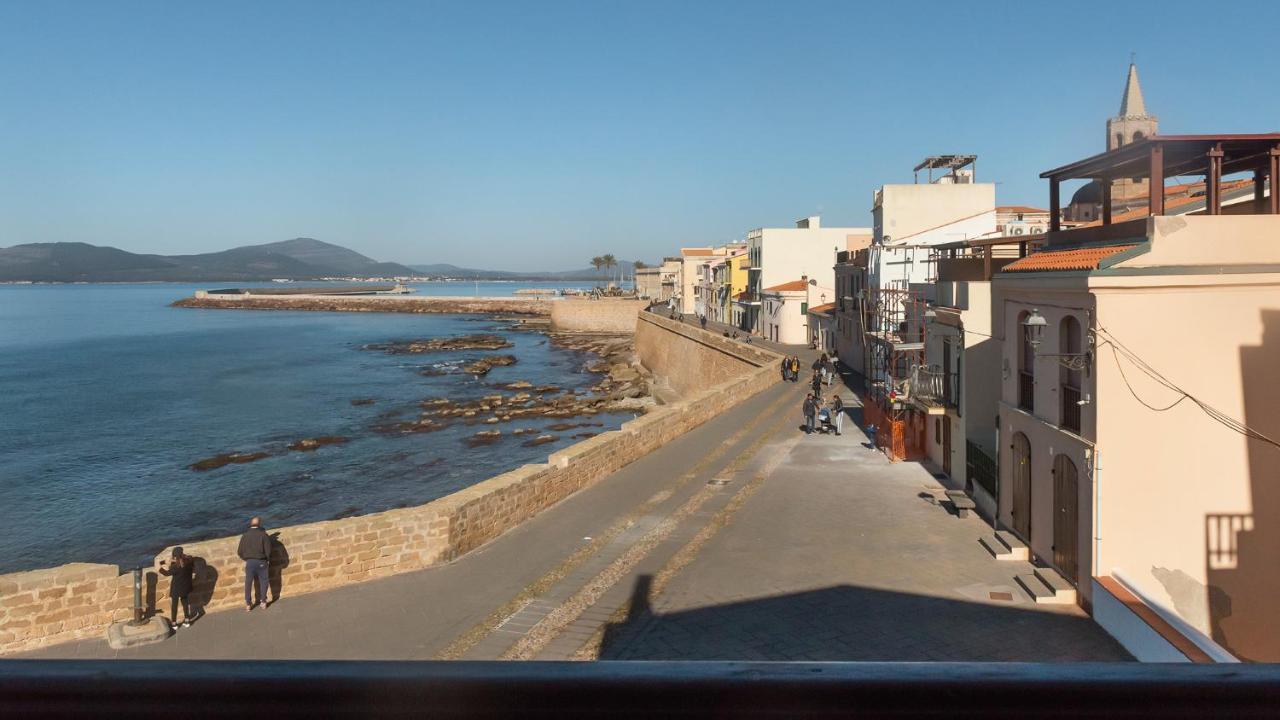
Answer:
(782, 255)
(1140, 411)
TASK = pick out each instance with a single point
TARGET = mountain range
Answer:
(297, 259)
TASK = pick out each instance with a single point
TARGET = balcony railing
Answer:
(1071, 409)
(1026, 391)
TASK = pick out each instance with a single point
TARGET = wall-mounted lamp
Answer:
(1035, 325)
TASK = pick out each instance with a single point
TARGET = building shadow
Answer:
(276, 565)
(847, 623)
(1242, 550)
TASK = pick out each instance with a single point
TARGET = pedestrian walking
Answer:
(810, 413)
(829, 368)
(255, 551)
(181, 574)
(837, 413)
(816, 383)
(795, 368)
(786, 369)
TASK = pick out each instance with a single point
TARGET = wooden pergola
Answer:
(1164, 156)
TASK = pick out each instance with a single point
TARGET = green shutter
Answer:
(804, 308)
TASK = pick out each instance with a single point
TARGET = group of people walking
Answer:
(822, 415)
(790, 368)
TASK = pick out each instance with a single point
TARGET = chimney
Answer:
(813, 222)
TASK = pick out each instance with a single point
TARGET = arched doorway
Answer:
(1021, 508)
(1066, 528)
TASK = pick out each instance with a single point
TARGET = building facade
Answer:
(1139, 405)
(782, 255)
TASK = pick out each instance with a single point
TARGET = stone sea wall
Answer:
(688, 359)
(44, 607)
(371, 303)
(609, 315)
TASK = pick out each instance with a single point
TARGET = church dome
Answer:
(1090, 194)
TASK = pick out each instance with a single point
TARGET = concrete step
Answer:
(1004, 546)
(1063, 590)
(1045, 593)
(1016, 548)
(1036, 589)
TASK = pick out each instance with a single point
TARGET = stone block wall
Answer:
(44, 607)
(612, 315)
(689, 359)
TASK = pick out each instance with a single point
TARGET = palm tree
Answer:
(597, 262)
(609, 262)
(639, 265)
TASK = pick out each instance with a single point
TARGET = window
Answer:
(1069, 380)
(1026, 365)
(804, 308)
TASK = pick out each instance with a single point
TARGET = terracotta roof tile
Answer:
(1084, 258)
(788, 286)
(823, 309)
(687, 252)
(1025, 209)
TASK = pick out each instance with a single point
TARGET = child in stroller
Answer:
(826, 424)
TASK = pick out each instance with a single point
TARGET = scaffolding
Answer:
(894, 347)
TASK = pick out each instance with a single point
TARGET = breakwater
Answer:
(371, 303)
(78, 600)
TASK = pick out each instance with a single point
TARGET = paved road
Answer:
(744, 539)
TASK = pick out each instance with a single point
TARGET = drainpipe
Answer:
(1097, 512)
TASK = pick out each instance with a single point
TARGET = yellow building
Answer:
(734, 285)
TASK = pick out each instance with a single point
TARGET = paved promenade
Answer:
(744, 539)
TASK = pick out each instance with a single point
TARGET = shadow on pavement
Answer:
(854, 623)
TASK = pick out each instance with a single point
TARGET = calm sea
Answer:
(107, 395)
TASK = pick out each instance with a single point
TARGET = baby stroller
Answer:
(826, 425)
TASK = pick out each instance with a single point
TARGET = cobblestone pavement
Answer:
(744, 539)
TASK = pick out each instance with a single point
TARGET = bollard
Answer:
(137, 596)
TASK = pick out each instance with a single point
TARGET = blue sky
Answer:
(537, 134)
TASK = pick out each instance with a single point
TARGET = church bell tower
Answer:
(1132, 124)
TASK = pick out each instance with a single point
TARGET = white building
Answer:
(688, 289)
(908, 220)
(783, 255)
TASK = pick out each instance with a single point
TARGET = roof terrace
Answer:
(1159, 158)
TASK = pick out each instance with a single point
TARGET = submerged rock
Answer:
(363, 401)
(309, 444)
(485, 364)
(482, 341)
(236, 458)
(540, 440)
(484, 437)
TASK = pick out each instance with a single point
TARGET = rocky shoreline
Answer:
(624, 385)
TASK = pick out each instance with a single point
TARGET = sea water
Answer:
(108, 395)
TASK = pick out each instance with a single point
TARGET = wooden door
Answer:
(946, 445)
(1066, 528)
(1021, 509)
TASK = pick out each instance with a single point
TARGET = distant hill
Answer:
(297, 259)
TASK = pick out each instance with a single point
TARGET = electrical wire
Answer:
(1118, 349)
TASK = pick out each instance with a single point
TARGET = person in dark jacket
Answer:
(810, 413)
(182, 577)
(255, 551)
(837, 413)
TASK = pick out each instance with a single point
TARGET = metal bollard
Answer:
(137, 596)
